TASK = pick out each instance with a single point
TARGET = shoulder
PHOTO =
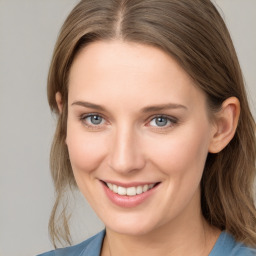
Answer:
(226, 245)
(91, 246)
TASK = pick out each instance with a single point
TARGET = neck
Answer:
(185, 235)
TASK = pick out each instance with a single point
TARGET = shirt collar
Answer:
(95, 245)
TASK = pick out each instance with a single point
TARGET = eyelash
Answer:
(91, 126)
(172, 121)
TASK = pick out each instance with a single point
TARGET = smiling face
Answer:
(137, 122)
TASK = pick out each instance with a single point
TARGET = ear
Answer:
(226, 121)
(58, 99)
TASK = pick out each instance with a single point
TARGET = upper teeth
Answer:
(131, 191)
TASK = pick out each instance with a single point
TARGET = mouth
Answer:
(129, 195)
(131, 190)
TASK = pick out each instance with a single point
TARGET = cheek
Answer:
(85, 150)
(183, 152)
(181, 159)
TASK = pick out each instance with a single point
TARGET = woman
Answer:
(154, 129)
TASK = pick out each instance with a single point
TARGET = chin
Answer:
(130, 231)
(132, 227)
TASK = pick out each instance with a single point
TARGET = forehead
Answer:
(109, 56)
(116, 69)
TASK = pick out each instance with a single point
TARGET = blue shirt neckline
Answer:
(225, 245)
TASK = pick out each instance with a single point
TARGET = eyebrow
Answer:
(88, 105)
(161, 107)
(153, 108)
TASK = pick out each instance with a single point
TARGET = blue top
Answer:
(225, 246)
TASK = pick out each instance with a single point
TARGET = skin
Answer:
(121, 81)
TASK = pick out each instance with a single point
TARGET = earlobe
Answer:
(226, 122)
(58, 99)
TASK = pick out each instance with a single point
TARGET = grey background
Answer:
(28, 30)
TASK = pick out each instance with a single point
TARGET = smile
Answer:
(130, 191)
(129, 195)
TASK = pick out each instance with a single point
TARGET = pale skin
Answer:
(151, 124)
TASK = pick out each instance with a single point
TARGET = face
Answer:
(138, 135)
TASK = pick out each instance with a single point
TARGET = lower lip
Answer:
(128, 201)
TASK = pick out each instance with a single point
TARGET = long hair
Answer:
(193, 33)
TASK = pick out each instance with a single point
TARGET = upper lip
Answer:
(129, 184)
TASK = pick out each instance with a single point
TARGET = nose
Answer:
(126, 154)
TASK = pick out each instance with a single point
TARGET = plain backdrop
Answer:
(28, 31)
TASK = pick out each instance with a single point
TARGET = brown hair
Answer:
(192, 32)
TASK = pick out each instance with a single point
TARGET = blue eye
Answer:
(93, 120)
(161, 121)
